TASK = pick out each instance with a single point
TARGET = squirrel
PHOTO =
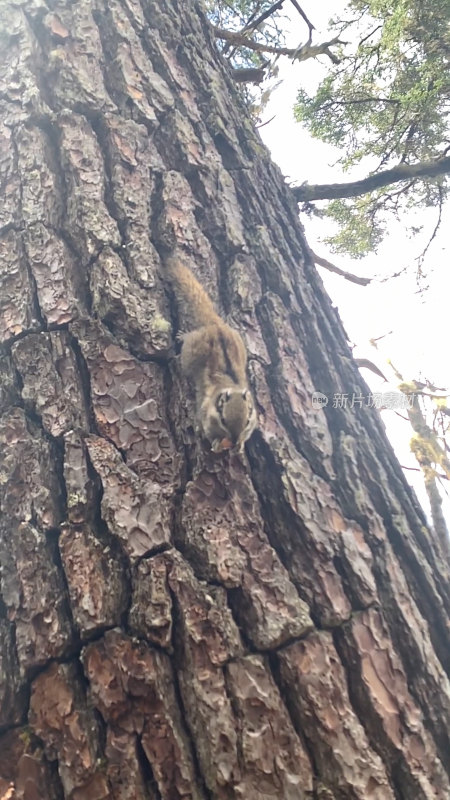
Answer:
(213, 358)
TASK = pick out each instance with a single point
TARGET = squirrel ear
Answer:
(244, 393)
(227, 394)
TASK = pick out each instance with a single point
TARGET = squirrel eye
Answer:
(222, 399)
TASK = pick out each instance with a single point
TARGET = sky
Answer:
(418, 320)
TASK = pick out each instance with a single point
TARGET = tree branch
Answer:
(311, 27)
(248, 75)
(420, 259)
(252, 25)
(322, 262)
(366, 363)
(296, 53)
(402, 172)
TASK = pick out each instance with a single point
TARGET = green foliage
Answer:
(387, 99)
(358, 231)
(230, 13)
(363, 221)
(235, 15)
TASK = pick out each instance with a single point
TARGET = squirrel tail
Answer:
(195, 307)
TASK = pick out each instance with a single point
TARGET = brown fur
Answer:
(213, 358)
(194, 304)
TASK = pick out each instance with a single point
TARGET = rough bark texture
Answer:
(174, 623)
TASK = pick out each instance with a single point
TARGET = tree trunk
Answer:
(176, 623)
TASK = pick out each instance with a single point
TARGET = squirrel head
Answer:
(229, 418)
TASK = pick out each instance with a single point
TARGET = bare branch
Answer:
(311, 27)
(367, 364)
(355, 101)
(253, 24)
(393, 275)
(249, 75)
(265, 123)
(376, 339)
(297, 54)
(421, 257)
(432, 387)
(322, 262)
(431, 395)
(402, 172)
(371, 33)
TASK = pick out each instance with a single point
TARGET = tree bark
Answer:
(402, 172)
(174, 623)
